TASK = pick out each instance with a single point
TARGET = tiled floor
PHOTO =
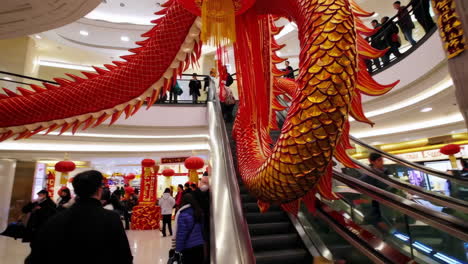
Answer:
(147, 247)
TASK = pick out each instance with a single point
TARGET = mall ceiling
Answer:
(25, 17)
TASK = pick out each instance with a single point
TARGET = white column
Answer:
(7, 176)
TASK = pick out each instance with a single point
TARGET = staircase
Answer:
(274, 238)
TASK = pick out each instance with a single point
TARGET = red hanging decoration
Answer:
(450, 149)
(148, 163)
(168, 172)
(193, 164)
(65, 167)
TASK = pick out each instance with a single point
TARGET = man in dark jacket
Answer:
(391, 39)
(377, 41)
(86, 233)
(40, 211)
(195, 86)
(377, 163)
(405, 22)
(422, 13)
(289, 71)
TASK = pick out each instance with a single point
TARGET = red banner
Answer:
(146, 215)
(173, 160)
(149, 183)
(50, 183)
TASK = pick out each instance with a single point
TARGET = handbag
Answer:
(175, 257)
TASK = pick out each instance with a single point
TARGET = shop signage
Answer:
(433, 154)
(450, 27)
(411, 156)
(173, 160)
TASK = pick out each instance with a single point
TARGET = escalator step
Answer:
(286, 256)
(247, 198)
(243, 189)
(274, 242)
(253, 208)
(270, 228)
(268, 217)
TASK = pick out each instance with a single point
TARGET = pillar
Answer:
(7, 175)
(458, 65)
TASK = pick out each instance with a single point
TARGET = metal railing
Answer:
(410, 164)
(230, 238)
(164, 99)
(383, 39)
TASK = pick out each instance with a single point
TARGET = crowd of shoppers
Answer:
(386, 34)
(84, 233)
(93, 223)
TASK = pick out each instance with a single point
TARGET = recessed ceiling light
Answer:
(37, 36)
(7, 78)
(427, 109)
(125, 38)
(84, 33)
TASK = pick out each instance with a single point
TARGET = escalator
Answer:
(425, 225)
(274, 238)
(339, 231)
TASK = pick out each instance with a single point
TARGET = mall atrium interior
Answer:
(292, 132)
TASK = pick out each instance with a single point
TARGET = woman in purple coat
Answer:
(189, 226)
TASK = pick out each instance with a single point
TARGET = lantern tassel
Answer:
(193, 176)
(218, 22)
(64, 178)
(453, 162)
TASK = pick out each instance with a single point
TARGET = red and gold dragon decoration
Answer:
(331, 79)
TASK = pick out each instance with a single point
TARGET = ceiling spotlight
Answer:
(427, 109)
(7, 78)
(125, 38)
(37, 36)
(84, 33)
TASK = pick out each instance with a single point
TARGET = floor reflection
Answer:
(147, 247)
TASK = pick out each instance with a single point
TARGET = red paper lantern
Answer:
(148, 163)
(194, 163)
(450, 149)
(168, 172)
(130, 176)
(65, 166)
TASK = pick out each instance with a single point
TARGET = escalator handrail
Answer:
(353, 233)
(230, 238)
(411, 164)
(446, 223)
(430, 196)
(399, 160)
(314, 244)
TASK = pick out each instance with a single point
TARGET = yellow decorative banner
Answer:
(450, 27)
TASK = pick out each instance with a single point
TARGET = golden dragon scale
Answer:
(332, 76)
